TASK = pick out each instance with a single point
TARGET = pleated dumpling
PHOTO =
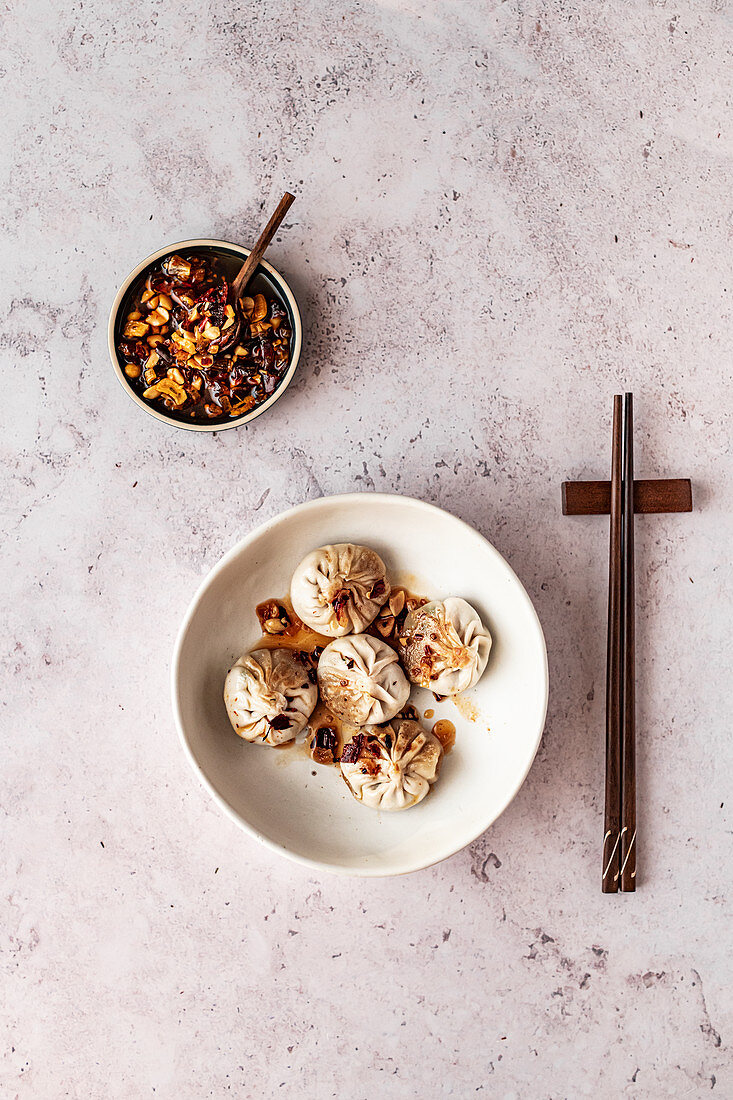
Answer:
(392, 767)
(269, 696)
(444, 646)
(361, 680)
(339, 589)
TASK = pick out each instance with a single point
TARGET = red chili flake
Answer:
(353, 750)
(338, 603)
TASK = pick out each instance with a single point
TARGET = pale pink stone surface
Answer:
(506, 213)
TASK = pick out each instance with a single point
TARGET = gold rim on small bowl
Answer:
(283, 290)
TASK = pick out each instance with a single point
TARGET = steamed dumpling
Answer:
(269, 696)
(392, 767)
(339, 589)
(445, 646)
(361, 680)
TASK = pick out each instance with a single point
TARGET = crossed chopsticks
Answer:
(622, 498)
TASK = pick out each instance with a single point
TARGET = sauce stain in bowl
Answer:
(445, 731)
(465, 708)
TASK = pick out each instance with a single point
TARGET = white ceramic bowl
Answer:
(283, 290)
(273, 794)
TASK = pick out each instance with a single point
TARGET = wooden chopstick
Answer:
(612, 827)
(627, 871)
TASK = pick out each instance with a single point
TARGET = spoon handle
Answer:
(250, 264)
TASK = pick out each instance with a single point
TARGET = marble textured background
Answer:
(506, 212)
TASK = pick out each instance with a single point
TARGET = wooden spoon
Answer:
(251, 264)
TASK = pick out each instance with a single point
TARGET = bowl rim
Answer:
(283, 286)
(312, 506)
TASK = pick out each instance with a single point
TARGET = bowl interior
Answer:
(306, 811)
(265, 280)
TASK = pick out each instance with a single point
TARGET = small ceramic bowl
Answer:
(267, 272)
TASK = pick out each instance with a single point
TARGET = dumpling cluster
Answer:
(392, 767)
(445, 646)
(269, 696)
(341, 591)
